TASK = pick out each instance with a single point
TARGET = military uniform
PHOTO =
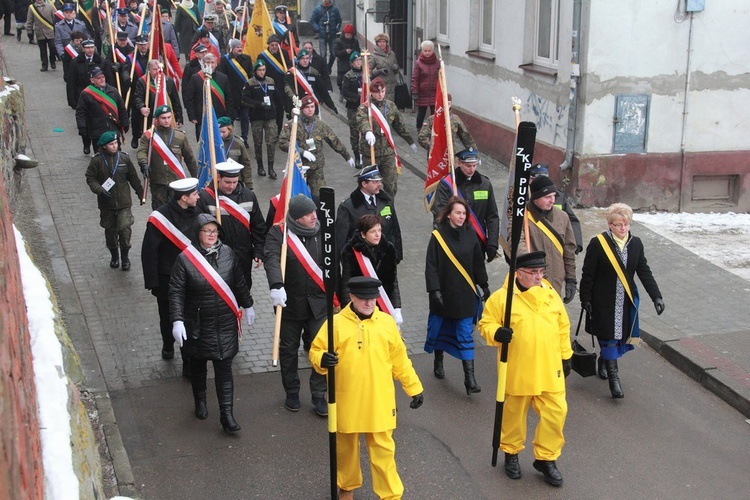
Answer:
(351, 90)
(461, 134)
(354, 207)
(160, 174)
(311, 132)
(385, 157)
(263, 100)
(114, 203)
(275, 70)
(315, 79)
(63, 29)
(236, 150)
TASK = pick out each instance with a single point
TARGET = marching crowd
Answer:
(201, 242)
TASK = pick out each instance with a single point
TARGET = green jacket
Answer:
(100, 169)
(177, 142)
(238, 152)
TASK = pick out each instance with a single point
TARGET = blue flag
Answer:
(205, 173)
(299, 186)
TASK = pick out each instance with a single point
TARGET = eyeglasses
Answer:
(535, 272)
(210, 232)
(620, 225)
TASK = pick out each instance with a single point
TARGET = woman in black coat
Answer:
(204, 321)
(454, 302)
(612, 306)
(368, 240)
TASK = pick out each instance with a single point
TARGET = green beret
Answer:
(106, 138)
(161, 110)
(355, 55)
(258, 64)
(225, 121)
(302, 53)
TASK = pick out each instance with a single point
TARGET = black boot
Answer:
(271, 173)
(185, 364)
(438, 365)
(261, 170)
(125, 260)
(512, 467)
(469, 381)
(225, 392)
(600, 369)
(31, 37)
(549, 469)
(115, 262)
(198, 382)
(614, 378)
(18, 34)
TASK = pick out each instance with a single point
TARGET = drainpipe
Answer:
(574, 78)
(685, 115)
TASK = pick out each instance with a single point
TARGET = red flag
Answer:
(364, 96)
(438, 163)
(121, 4)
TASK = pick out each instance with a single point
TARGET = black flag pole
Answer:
(330, 268)
(524, 155)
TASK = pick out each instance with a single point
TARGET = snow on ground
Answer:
(722, 239)
(60, 481)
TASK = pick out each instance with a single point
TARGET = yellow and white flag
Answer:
(258, 30)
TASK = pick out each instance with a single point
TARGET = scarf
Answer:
(214, 250)
(301, 230)
(620, 242)
(188, 3)
(431, 59)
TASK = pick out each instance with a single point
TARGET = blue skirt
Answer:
(614, 349)
(453, 336)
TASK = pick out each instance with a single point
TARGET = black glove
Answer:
(145, 169)
(106, 193)
(491, 253)
(659, 305)
(503, 335)
(416, 401)
(384, 71)
(116, 66)
(586, 306)
(436, 300)
(566, 366)
(570, 290)
(486, 293)
(329, 360)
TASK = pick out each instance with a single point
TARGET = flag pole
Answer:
(447, 114)
(208, 109)
(366, 88)
(113, 45)
(135, 53)
(284, 244)
(150, 56)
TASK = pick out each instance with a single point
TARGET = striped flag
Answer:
(299, 186)
(438, 163)
(205, 168)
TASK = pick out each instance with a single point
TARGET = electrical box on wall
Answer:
(695, 5)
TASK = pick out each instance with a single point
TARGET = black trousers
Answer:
(421, 113)
(292, 330)
(222, 375)
(47, 51)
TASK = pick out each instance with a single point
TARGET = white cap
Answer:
(184, 185)
(229, 168)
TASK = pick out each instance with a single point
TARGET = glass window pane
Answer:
(544, 28)
(487, 22)
(443, 21)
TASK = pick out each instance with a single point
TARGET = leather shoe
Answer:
(292, 402)
(86, 149)
(549, 469)
(53, 65)
(512, 467)
(134, 143)
(167, 354)
(321, 407)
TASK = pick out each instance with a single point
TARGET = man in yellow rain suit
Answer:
(538, 362)
(368, 354)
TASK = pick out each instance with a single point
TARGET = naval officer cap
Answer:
(88, 43)
(364, 287)
(532, 260)
(141, 40)
(68, 7)
(369, 173)
(184, 186)
(468, 155)
(229, 168)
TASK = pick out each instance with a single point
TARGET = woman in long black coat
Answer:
(455, 303)
(368, 240)
(612, 306)
(205, 322)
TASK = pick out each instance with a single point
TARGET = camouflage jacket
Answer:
(394, 119)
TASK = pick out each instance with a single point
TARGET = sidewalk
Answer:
(114, 323)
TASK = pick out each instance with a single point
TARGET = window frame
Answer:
(553, 61)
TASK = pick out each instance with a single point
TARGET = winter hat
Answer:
(382, 36)
(300, 205)
(106, 138)
(234, 43)
(273, 38)
(541, 186)
(349, 29)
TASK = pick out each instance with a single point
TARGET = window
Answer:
(547, 24)
(486, 12)
(443, 19)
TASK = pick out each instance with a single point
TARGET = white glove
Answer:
(414, 147)
(178, 332)
(278, 297)
(397, 316)
(370, 138)
(308, 156)
(250, 315)
(351, 163)
(295, 111)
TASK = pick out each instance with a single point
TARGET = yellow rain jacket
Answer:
(371, 354)
(541, 338)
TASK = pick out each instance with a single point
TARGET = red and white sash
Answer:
(167, 155)
(120, 56)
(378, 116)
(305, 85)
(365, 264)
(311, 267)
(232, 208)
(71, 51)
(181, 241)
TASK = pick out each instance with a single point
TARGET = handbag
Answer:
(583, 362)
(402, 96)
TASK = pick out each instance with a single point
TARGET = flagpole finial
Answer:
(516, 104)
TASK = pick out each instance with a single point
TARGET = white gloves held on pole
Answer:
(370, 138)
(278, 297)
(351, 163)
(397, 316)
(414, 147)
(308, 156)
(179, 333)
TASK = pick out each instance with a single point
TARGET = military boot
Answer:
(124, 258)
(18, 34)
(271, 173)
(115, 262)
(261, 170)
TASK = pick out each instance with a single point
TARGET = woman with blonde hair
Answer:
(609, 294)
